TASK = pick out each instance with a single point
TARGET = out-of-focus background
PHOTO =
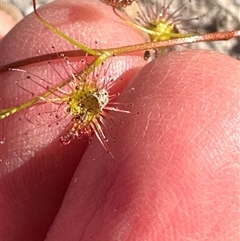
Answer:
(25, 6)
(215, 15)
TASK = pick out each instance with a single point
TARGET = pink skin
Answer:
(176, 174)
(6, 18)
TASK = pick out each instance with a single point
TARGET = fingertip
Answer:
(176, 154)
(184, 85)
(10, 15)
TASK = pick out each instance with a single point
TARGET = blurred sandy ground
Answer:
(215, 15)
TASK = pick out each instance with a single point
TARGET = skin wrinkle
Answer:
(150, 112)
(109, 192)
(98, 184)
(122, 232)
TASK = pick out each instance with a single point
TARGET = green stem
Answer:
(64, 36)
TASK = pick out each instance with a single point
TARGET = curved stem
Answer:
(42, 58)
(64, 36)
